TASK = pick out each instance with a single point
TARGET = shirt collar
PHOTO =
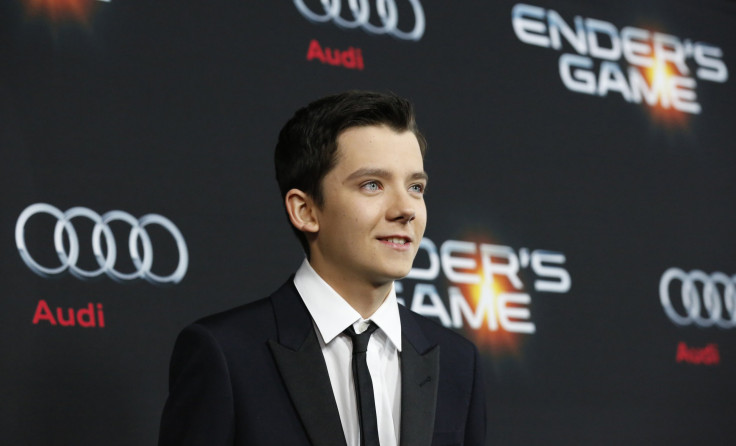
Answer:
(332, 314)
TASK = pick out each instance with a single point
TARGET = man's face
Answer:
(373, 214)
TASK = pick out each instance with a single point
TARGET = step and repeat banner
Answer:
(581, 204)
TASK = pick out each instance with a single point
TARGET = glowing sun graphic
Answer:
(661, 76)
(60, 11)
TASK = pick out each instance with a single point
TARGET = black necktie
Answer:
(364, 386)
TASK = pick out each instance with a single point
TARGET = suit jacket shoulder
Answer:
(435, 331)
(244, 321)
(225, 387)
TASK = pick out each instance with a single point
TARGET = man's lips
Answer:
(396, 240)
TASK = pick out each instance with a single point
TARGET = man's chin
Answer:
(399, 272)
(392, 275)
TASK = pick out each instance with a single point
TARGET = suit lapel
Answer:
(420, 368)
(302, 366)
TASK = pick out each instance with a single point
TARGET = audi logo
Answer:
(703, 309)
(106, 261)
(361, 15)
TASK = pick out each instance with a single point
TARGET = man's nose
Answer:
(403, 207)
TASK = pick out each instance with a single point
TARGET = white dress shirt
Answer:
(331, 315)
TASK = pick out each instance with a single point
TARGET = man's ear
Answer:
(302, 211)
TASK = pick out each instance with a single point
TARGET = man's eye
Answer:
(371, 186)
(418, 188)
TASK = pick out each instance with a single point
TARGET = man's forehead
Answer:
(366, 135)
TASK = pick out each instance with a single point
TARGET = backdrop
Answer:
(581, 202)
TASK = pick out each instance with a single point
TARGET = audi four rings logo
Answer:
(361, 12)
(703, 309)
(106, 261)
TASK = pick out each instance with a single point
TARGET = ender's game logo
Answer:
(642, 66)
(485, 289)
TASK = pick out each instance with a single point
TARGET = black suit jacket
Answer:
(255, 375)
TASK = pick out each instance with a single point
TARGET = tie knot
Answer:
(360, 341)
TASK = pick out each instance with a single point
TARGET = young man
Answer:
(286, 370)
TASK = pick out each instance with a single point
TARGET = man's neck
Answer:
(365, 298)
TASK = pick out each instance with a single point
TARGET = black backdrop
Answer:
(578, 207)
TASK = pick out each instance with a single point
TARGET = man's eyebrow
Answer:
(420, 176)
(383, 173)
(368, 172)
